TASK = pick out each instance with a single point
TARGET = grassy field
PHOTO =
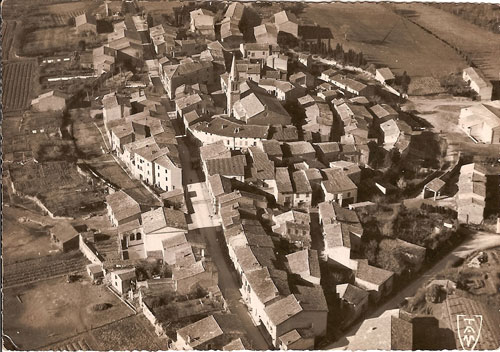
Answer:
(481, 45)
(386, 38)
(23, 240)
(54, 310)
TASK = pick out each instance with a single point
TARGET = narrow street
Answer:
(204, 222)
(477, 241)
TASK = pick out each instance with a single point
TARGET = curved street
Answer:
(476, 242)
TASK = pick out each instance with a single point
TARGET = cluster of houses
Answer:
(471, 194)
(292, 311)
(160, 234)
(482, 122)
(275, 141)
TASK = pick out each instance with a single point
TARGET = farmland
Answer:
(59, 186)
(53, 310)
(8, 36)
(386, 38)
(482, 46)
(18, 78)
(48, 41)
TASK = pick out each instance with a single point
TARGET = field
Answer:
(443, 114)
(53, 310)
(49, 41)
(23, 240)
(482, 46)
(59, 186)
(386, 38)
(89, 142)
(8, 33)
(130, 333)
(19, 77)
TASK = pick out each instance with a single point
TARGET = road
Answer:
(477, 241)
(204, 222)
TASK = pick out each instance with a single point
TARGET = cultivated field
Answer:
(59, 186)
(42, 268)
(482, 46)
(18, 78)
(90, 143)
(53, 310)
(49, 41)
(134, 333)
(386, 38)
(8, 32)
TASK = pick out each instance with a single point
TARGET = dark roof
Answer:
(367, 272)
(64, 232)
(351, 294)
(233, 166)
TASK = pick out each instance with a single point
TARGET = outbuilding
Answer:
(65, 236)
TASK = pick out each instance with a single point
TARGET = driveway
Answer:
(476, 242)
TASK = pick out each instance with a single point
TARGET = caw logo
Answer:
(469, 330)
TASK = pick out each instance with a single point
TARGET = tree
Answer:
(433, 293)
(402, 183)
(82, 45)
(370, 251)
(405, 82)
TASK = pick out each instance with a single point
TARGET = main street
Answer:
(206, 223)
(476, 242)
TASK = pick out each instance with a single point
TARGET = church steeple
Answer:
(233, 76)
(233, 90)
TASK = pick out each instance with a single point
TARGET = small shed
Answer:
(86, 23)
(435, 186)
(65, 236)
(95, 272)
(123, 280)
(50, 101)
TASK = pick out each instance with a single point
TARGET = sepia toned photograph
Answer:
(264, 175)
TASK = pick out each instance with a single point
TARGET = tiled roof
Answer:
(223, 126)
(201, 331)
(283, 309)
(283, 182)
(372, 274)
(351, 294)
(233, 166)
(337, 182)
(163, 217)
(301, 182)
(122, 205)
(214, 150)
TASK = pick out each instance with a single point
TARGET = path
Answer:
(476, 242)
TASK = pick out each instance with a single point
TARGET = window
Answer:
(348, 194)
(132, 237)
(166, 178)
(138, 236)
(173, 187)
